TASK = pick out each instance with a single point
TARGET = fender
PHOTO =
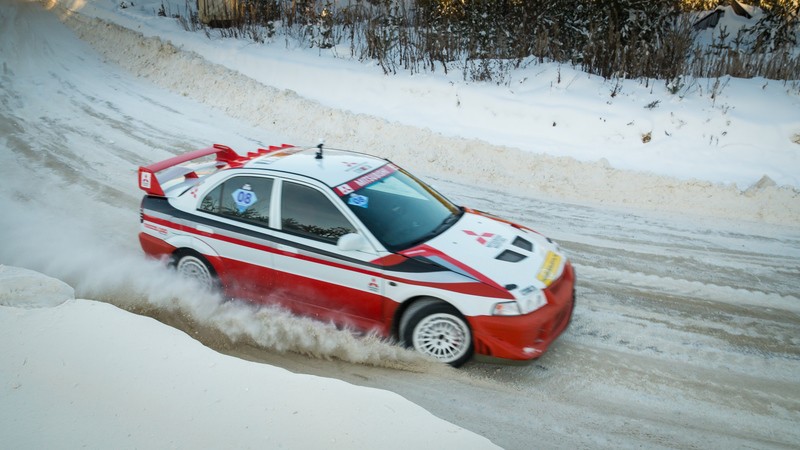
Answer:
(191, 242)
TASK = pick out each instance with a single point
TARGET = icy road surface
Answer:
(686, 333)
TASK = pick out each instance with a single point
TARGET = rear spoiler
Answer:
(152, 177)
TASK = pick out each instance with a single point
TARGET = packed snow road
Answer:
(686, 333)
(685, 336)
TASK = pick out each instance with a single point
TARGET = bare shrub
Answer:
(485, 40)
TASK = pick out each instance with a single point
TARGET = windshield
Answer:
(402, 211)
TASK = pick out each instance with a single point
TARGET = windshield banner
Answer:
(365, 180)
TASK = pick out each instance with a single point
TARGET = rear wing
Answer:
(152, 178)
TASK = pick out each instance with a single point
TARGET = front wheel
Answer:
(436, 329)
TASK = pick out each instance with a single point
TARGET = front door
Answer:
(323, 281)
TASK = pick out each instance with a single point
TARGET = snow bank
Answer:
(87, 374)
(24, 288)
(465, 159)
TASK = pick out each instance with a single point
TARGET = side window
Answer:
(307, 212)
(241, 198)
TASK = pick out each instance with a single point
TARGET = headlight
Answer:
(522, 306)
(532, 302)
(506, 309)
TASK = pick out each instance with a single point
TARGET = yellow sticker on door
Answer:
(549, 270)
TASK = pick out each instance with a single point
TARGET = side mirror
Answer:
(352, 242)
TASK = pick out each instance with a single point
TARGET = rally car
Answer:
(356, 240)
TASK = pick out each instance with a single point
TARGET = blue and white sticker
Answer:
(358, 200)
(244, 198)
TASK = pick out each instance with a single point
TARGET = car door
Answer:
(322, 280)
(238, 212)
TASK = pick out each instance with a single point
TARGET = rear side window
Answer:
(243, 198)
(307, 212)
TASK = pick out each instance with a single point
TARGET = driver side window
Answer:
(307, 212)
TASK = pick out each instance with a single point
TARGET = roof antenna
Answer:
(319, 146)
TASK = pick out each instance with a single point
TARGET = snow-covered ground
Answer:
(686, 329)
(717, 146)
(85, 374)
(734, 133)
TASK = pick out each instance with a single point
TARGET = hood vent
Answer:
(522, 243)
(510, 256)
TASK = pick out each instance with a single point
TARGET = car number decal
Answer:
(244, 198)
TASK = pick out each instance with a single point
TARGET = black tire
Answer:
(436, 329)
(192, 265)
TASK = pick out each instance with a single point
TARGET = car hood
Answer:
(496, 252)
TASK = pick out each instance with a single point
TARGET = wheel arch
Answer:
(189, 244)
(401, 310)
(192, 243)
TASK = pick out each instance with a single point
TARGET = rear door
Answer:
(238, 213)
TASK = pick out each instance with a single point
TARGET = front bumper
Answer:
(527, 337)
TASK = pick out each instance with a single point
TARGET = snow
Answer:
(79, 372)
(553, 130)
(24, 288)
(731, 131)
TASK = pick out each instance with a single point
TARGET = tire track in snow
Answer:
(645, 364)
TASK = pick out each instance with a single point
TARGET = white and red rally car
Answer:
(354, 239)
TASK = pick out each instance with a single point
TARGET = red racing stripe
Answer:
(477, 288)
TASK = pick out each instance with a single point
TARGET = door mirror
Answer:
(352, 242)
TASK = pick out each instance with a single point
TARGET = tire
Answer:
(436, 329)
(193, 266)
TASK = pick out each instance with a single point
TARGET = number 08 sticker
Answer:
(244, 198)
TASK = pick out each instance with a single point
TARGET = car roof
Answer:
(336, 167)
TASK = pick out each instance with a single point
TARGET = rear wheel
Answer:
(193, 266)
(436, 329)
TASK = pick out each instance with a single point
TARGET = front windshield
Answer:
(402, 211)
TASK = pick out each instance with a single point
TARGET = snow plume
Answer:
(101, 261)
(277, 329)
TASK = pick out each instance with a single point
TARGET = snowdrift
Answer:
(81, 373)
(570, 143)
